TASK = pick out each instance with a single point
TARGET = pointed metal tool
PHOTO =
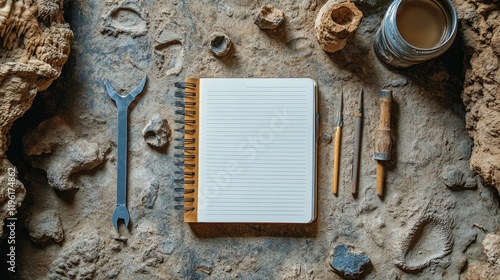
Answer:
(336, 156)
(122, 103)
(357, 143)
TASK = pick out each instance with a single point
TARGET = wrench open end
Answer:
(121, 213)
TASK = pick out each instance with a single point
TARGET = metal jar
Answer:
(393, 51)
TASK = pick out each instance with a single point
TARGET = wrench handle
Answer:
(121, 179)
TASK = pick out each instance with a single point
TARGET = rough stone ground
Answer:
(421, 225)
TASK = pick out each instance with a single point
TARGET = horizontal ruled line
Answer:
(296, 87)
(266, 170)
(252, 211)
(279, 193)
(259, 199)
(252, 214)
(212, 92)
(258, 168)
(274, 105)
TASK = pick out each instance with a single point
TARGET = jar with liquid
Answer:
(414, 31)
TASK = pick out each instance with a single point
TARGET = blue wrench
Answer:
(122, 103)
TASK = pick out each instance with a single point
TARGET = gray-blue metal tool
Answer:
(122, 103)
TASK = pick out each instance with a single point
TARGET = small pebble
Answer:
(452, 177)
(121, 238)
(269, 17)
(157, 133)
(349, 264)
(471, 183)
(167, 247)
(220, 44)
(326, 137)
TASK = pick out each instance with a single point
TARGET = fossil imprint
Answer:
(429, 240)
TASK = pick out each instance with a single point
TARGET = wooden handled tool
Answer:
(336, 157)
(383, 141)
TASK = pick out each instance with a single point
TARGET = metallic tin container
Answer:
(392, 49)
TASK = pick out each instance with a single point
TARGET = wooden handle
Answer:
(383, 141)
(336, 161)
(380, 179)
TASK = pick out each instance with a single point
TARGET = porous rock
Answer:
(335, 24)
(489, 269)
(269, 17)
(220, 44)
(35, 46)
(157, 133)
(349, 264)
(491, 248)
(45, 225)
(480, 23)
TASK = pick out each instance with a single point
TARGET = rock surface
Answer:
(157, 133)
(336, 24)
(348, 263)
(429, 133)
(35, 46)
(220, 44)
(269, 17)
(489, 268)
(55, 148)
(427, 242)
(480, 21)
(458, 176)
(45, 225)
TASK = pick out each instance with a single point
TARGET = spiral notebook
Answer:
(248, 150)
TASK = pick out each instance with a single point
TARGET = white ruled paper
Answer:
(257, 150)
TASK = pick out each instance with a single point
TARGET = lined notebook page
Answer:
(257, 150)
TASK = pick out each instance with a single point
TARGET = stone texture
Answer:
(452, 176)
(269, 17)
(56, 149)
(489, 269)
(429, 133)
(157, 133)
(480, 21)
(77, 260)
(326, 137)
(128, 18)
(220, 44)
(336, 24)
(348, 263)
(458, 176)
(491, 247)
(36, 44)
(427, 242)
(45, 225)
(150, 195)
